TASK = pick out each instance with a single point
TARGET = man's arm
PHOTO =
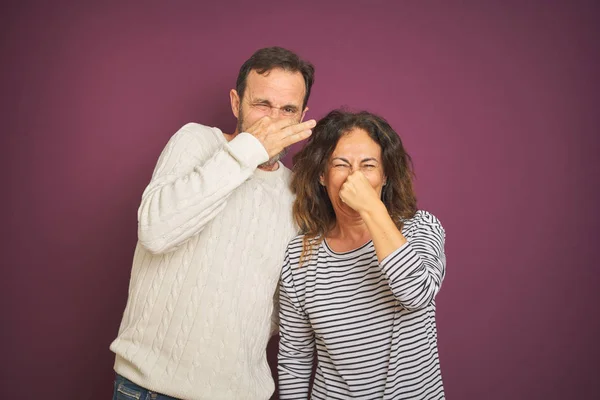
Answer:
(187, 191)
(190, 187)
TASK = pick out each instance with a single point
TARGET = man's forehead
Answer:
(284, 85)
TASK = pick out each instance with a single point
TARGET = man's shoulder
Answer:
(286, 172)
(194, 138)
(201, 132)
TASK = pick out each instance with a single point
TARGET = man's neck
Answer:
(229, 136)
(267, 167)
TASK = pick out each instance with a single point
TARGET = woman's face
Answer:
(354, 151)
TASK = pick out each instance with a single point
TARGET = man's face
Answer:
(278, 94)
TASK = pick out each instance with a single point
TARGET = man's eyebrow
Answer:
(265, 101)
(262, 101)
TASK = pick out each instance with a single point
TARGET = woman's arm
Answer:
(358, 193)
(415, 270)
(296, 341)
(416, 267)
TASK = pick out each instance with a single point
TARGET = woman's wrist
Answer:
(374, 210)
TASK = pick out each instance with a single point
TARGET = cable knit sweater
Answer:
(212, 235)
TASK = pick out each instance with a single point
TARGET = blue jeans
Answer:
(127, 390)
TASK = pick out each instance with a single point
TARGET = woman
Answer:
(359, 283)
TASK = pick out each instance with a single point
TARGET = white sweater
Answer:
(212, 234)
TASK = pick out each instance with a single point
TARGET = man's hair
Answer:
(312, 208)
(268, 58)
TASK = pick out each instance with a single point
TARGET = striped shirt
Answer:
(373, 324)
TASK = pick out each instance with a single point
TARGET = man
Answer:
(213, 226)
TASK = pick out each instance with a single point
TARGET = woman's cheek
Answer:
(337, 179)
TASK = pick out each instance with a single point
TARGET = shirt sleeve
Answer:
(275, 313)
(296, 343)
(415, 271)
(187, 191)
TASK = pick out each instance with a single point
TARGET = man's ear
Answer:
(234, 98)
(303, 114)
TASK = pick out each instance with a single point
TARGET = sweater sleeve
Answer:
(415, 271)
(190, 187)
(296, 340)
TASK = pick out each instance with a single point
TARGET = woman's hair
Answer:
(312, 208)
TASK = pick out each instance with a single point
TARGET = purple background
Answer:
(497, 102)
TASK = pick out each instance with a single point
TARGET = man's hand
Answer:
(276, 135)
(358, 193)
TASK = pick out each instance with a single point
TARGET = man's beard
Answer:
(271, 161)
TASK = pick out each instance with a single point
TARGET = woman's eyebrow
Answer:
(340, 159)
(369, 159)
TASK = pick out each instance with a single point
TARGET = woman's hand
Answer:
(358, 193)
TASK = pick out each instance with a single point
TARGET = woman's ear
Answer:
(322, 180)
(303, 114)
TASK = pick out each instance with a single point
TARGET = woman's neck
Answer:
(349, 232)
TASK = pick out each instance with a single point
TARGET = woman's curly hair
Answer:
(312, 208)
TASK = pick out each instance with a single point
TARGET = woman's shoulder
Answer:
(295, 244)
(423, 216)
(298, 241)
(423, 220)
(296, 247)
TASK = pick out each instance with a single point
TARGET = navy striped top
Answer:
(372, 324)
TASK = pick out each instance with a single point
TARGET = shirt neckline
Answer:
(345, 254)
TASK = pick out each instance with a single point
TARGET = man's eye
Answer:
(289, 110)
(262, 106)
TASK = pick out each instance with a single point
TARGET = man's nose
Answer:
(275, 112)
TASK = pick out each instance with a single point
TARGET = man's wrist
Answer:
(248, 149)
